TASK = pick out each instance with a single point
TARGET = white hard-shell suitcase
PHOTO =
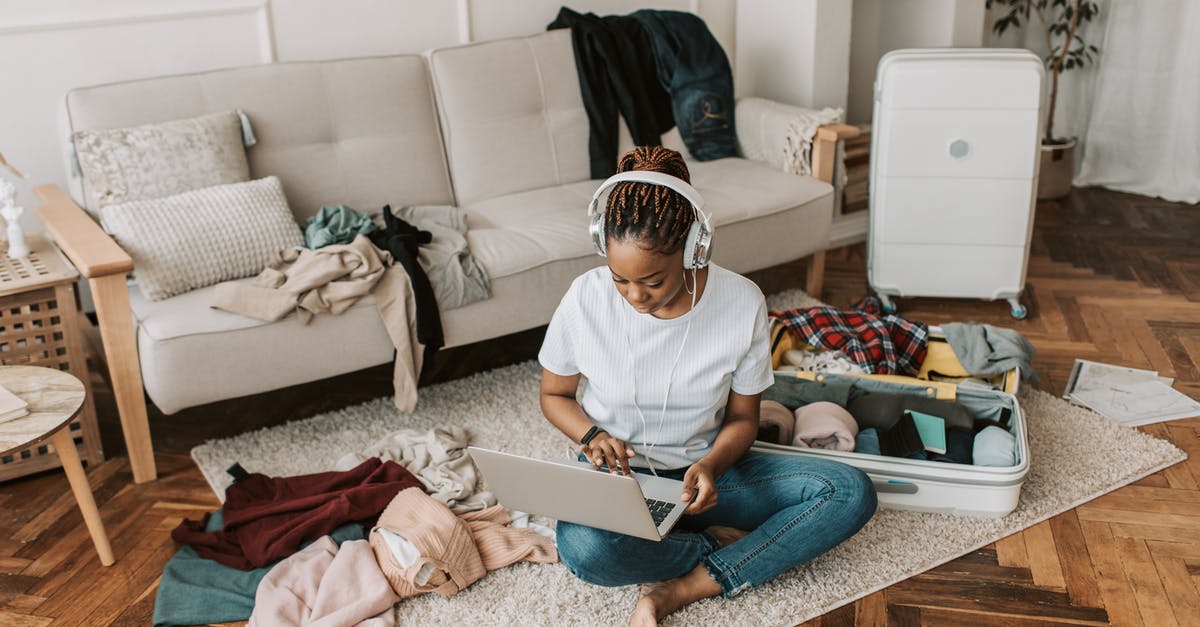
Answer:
(953, 173)
(930, 486)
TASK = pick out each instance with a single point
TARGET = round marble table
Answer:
(54, 399)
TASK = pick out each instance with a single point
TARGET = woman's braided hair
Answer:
(653, 215)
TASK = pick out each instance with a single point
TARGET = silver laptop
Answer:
(640, 505)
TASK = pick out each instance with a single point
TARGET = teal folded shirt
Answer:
(195, 590)
(336, 224)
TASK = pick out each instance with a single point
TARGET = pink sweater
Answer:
(326, 586)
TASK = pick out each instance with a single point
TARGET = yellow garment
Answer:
(330, 280)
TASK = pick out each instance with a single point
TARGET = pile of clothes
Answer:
(414, 260)
(866, 341)
(344, 546)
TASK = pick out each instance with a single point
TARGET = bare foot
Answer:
(664, 597)
(726, 535)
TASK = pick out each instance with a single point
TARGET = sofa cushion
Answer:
(360, 132)
(519, 231)
(159, 160)
(192, 354)
(512, 115)
(203, 237)
(516, 232)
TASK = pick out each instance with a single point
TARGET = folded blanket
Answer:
(825, 425)
(801, 129)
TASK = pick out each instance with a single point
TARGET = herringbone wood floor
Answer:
(1112, 277)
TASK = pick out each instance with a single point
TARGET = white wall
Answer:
(48, 47)
(794, 51)
(880, 26)
(320, 29)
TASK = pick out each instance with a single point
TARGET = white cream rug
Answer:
(1076, 456)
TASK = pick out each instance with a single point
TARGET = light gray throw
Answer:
(456, 277)
(985, 350)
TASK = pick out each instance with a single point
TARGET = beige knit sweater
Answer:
(461, 548)
(329, 280)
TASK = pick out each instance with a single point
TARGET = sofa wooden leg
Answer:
(111, 296)
(816, 274)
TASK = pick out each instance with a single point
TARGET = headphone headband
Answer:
(655, 178)
(697, 247)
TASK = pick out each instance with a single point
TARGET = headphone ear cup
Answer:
(596, 231)
(689, 246)
(697, 248)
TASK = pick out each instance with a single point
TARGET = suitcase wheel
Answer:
(889, 307)
(1017, 310)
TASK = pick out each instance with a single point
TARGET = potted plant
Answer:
(1061, 21)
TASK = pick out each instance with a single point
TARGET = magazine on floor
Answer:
(1130, 396)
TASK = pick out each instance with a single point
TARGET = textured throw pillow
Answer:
(202, 237)
(159, 160)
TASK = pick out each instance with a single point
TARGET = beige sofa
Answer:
(498, 128)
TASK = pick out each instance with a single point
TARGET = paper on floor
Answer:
(1139, 403)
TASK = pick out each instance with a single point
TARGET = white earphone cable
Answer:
(648, 447)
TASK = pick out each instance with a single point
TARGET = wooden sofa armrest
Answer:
(762, 130)
(824, 168)
(105, 264)
(824, 151)
(93, 252)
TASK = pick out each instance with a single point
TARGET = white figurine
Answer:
(17, 248)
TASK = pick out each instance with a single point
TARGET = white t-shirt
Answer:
(597, 333)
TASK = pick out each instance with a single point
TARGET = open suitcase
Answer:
(930, 486)
(953, 176)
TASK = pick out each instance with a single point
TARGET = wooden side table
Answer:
(40, 326)
(55, 398)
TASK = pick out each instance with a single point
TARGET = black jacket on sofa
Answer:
(615, 61)
(658, 69)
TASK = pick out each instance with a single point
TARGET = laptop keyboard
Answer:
(659, 509)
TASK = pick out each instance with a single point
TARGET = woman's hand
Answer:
(607, 450)
(699, 481)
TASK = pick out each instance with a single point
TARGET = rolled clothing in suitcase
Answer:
(917, 484)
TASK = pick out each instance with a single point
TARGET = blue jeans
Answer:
(794, 507)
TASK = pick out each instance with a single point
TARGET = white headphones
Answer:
(697, 248)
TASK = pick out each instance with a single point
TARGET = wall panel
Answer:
(49, 49)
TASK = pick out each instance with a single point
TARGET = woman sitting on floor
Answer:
(627, 328)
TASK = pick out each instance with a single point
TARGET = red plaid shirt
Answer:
(886, 344)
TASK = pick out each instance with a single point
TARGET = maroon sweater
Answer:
(267, 518)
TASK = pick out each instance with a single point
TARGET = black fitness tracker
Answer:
(591, 434)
